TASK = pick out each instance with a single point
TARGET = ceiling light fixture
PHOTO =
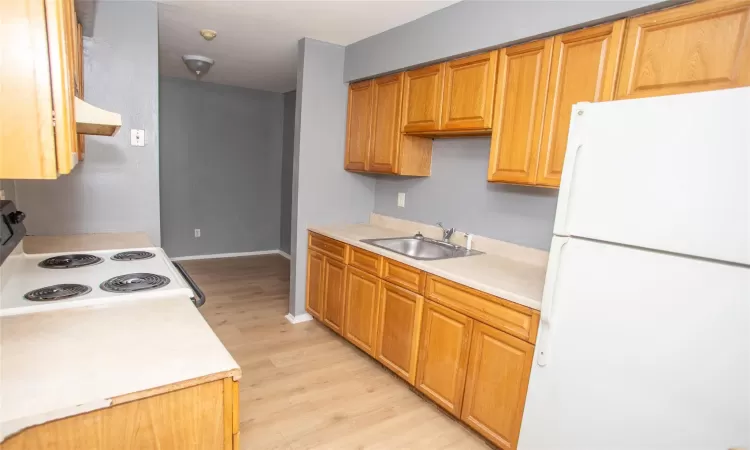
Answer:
(198, 64)
(207, 34)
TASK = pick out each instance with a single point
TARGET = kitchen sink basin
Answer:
(421, 248)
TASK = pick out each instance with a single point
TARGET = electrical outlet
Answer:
(137, 138)
(197, 232)
(401, 199)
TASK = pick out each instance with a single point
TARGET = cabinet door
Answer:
(423, 96)
(468, 93)
(499, 367)
(333, 294)
(519, 110)
(443, 356)
(400, 312)
(386, 126)
(315, 282)
(697, 47)
(360, 324)
(584, 64)
(358, 123)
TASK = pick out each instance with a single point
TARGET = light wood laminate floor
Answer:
(302, 385)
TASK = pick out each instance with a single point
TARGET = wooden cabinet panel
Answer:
(360, 325)
(584, 65)
(358, 123)
(519, 110)
(315, 281)
(498, 377)
(520, 321)
(402, 275)
(385, 141)
(333, 294)
(696, 47)
(468, 93)
(194, 418)
(399, 316)
(330, 247)
(423, 96)
(443, 356)
(364, 260)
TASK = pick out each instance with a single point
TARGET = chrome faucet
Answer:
(447, 233)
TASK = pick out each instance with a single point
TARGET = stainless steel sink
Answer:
(421, 248)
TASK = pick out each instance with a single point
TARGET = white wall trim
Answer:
(231, 255)
(305, 317)
(285, 254)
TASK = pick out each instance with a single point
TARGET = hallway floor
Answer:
(302, 385)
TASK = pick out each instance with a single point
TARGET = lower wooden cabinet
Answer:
(202, 417)
(314, 297)
(398, 330)
(443, 356)
(498, 376)
(333, 294)
(360, 323)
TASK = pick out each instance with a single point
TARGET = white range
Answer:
(28, 286)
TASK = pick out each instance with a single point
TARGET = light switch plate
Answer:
(137, 138)
(401, 199)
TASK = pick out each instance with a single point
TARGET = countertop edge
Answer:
(505, 295)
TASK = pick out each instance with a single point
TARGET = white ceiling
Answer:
(256, 46)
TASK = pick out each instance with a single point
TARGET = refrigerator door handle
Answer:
(548, 299)
(569, 168)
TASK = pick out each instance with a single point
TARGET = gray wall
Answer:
(287, 171)
(323, 192)
(220, 168)
(116, 189)
(472, 25)
(458, 194)
(9, 188)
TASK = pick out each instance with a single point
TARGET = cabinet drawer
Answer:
(366, 261)
(330, 247)
(514, 319)
(402, 275)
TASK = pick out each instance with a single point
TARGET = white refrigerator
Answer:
(644, 339)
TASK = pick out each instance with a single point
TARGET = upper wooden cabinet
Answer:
(386, 138)
(696, 47)
(468, 93)
(584, 65)
(519, 111)
(423, 97)
(358, 125)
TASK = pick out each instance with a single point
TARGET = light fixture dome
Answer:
(198, 64)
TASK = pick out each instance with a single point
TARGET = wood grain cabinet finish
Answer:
(360, 324)
(330, 247)
(496, 384)
(38, 138)
(697, 47)
(402, 275)
(468, 92)
(315, 281)
(358, 125)
(423, 97)
(443, 356)
(364, 260)
(523, 75)
(584, 65)
(386, 137)
(202, 417)
(334, 304)
(399, 317)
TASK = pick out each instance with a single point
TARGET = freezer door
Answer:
(667, 173)
(644, 350)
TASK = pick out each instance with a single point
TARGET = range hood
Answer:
(93, 120)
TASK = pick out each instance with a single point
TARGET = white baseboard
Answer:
(285, 254)
(231, 255)
(305, 317)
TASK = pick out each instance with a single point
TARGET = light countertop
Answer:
(514, 273)
(61, 363)
(85, 242)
